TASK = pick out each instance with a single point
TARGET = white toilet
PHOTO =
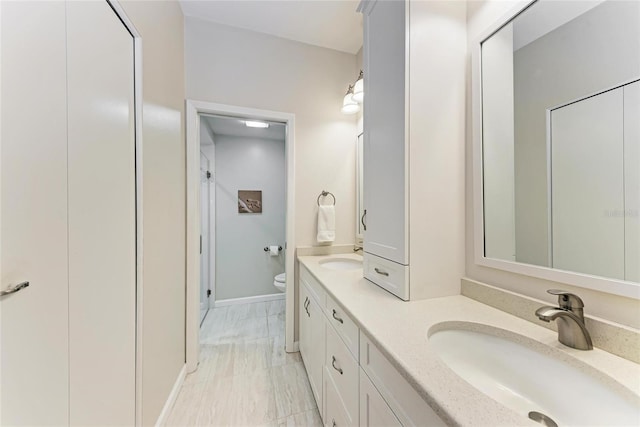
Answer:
(280, 282)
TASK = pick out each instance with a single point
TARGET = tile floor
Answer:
(245, 378)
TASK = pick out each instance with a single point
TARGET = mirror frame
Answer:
(359, 187)
(597, 283)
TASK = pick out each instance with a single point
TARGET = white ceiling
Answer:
(333, 24)
(544, 17)
(232, 126)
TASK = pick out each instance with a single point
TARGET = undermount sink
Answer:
(533, 379)
(341, 264)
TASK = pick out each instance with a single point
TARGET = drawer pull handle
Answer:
(333, 363)
(380, 272)
(14, 289)
(307, 308)
(336, 317)
(333, 423)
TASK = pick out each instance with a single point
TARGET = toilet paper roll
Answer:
(273, 251)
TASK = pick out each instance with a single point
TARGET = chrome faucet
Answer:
(572, 331)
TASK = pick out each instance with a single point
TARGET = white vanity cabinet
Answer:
(312, 339)
(352, 381)
(414, 57)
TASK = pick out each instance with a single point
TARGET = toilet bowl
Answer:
(279, 282)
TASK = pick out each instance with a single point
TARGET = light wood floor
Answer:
(245, 378)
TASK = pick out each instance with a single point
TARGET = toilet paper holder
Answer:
(266, 248)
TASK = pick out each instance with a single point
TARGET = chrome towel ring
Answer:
(325, 194)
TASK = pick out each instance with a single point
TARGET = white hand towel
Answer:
(326, 223)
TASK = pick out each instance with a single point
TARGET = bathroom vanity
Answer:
(371, 361)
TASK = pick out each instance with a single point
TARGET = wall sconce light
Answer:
(358, 89)
(349, 106)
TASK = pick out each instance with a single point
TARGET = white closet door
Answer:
(587, 186)
(34, 341)
(102, 254)
(632, 181)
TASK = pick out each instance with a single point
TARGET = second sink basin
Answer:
(341, 264)
(533, 379)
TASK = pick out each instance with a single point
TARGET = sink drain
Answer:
(542, 419)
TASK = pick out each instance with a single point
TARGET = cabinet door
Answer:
(374, 411)
(102, 221)
(34, 340)
(385, 115)
(304, 330)
(318, 341)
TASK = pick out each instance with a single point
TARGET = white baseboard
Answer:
(171, 400)
(246, 300)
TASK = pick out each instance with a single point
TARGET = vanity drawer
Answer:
(387, 274)
(374, 411)
(343, 369)
(343, 324)
(317, 291)
(335, 414)
(403, 399)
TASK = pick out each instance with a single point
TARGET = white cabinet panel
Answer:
(318, 341)
(385, 175)
(312, 340)
(343, 368)
(587, 186)
(34, 343)
(374, 411)
(344, 326)
(335, 415)
(401, 397)
(102, 258)
(632, 181)
(388, 275)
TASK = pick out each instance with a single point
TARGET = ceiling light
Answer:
(349, 106)
(254, 124)
(358, 89)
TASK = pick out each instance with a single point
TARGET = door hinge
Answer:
(208, 175)
(208, 293)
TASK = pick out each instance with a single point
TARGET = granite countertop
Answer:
(400, 330)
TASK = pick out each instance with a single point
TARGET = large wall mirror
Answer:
(559, 131)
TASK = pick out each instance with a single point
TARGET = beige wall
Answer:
(232, 66)
(480, 15)
(163, 313)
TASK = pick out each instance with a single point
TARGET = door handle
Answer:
(364, 224)
(14, 289)
(380, 272)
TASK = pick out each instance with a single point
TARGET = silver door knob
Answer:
(14, 289)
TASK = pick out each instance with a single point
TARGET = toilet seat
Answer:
(280, 282)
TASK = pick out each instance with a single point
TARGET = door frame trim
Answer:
(138, 102)
(193, 110)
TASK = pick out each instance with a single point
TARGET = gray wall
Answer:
(595, 51)
(243, 269)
